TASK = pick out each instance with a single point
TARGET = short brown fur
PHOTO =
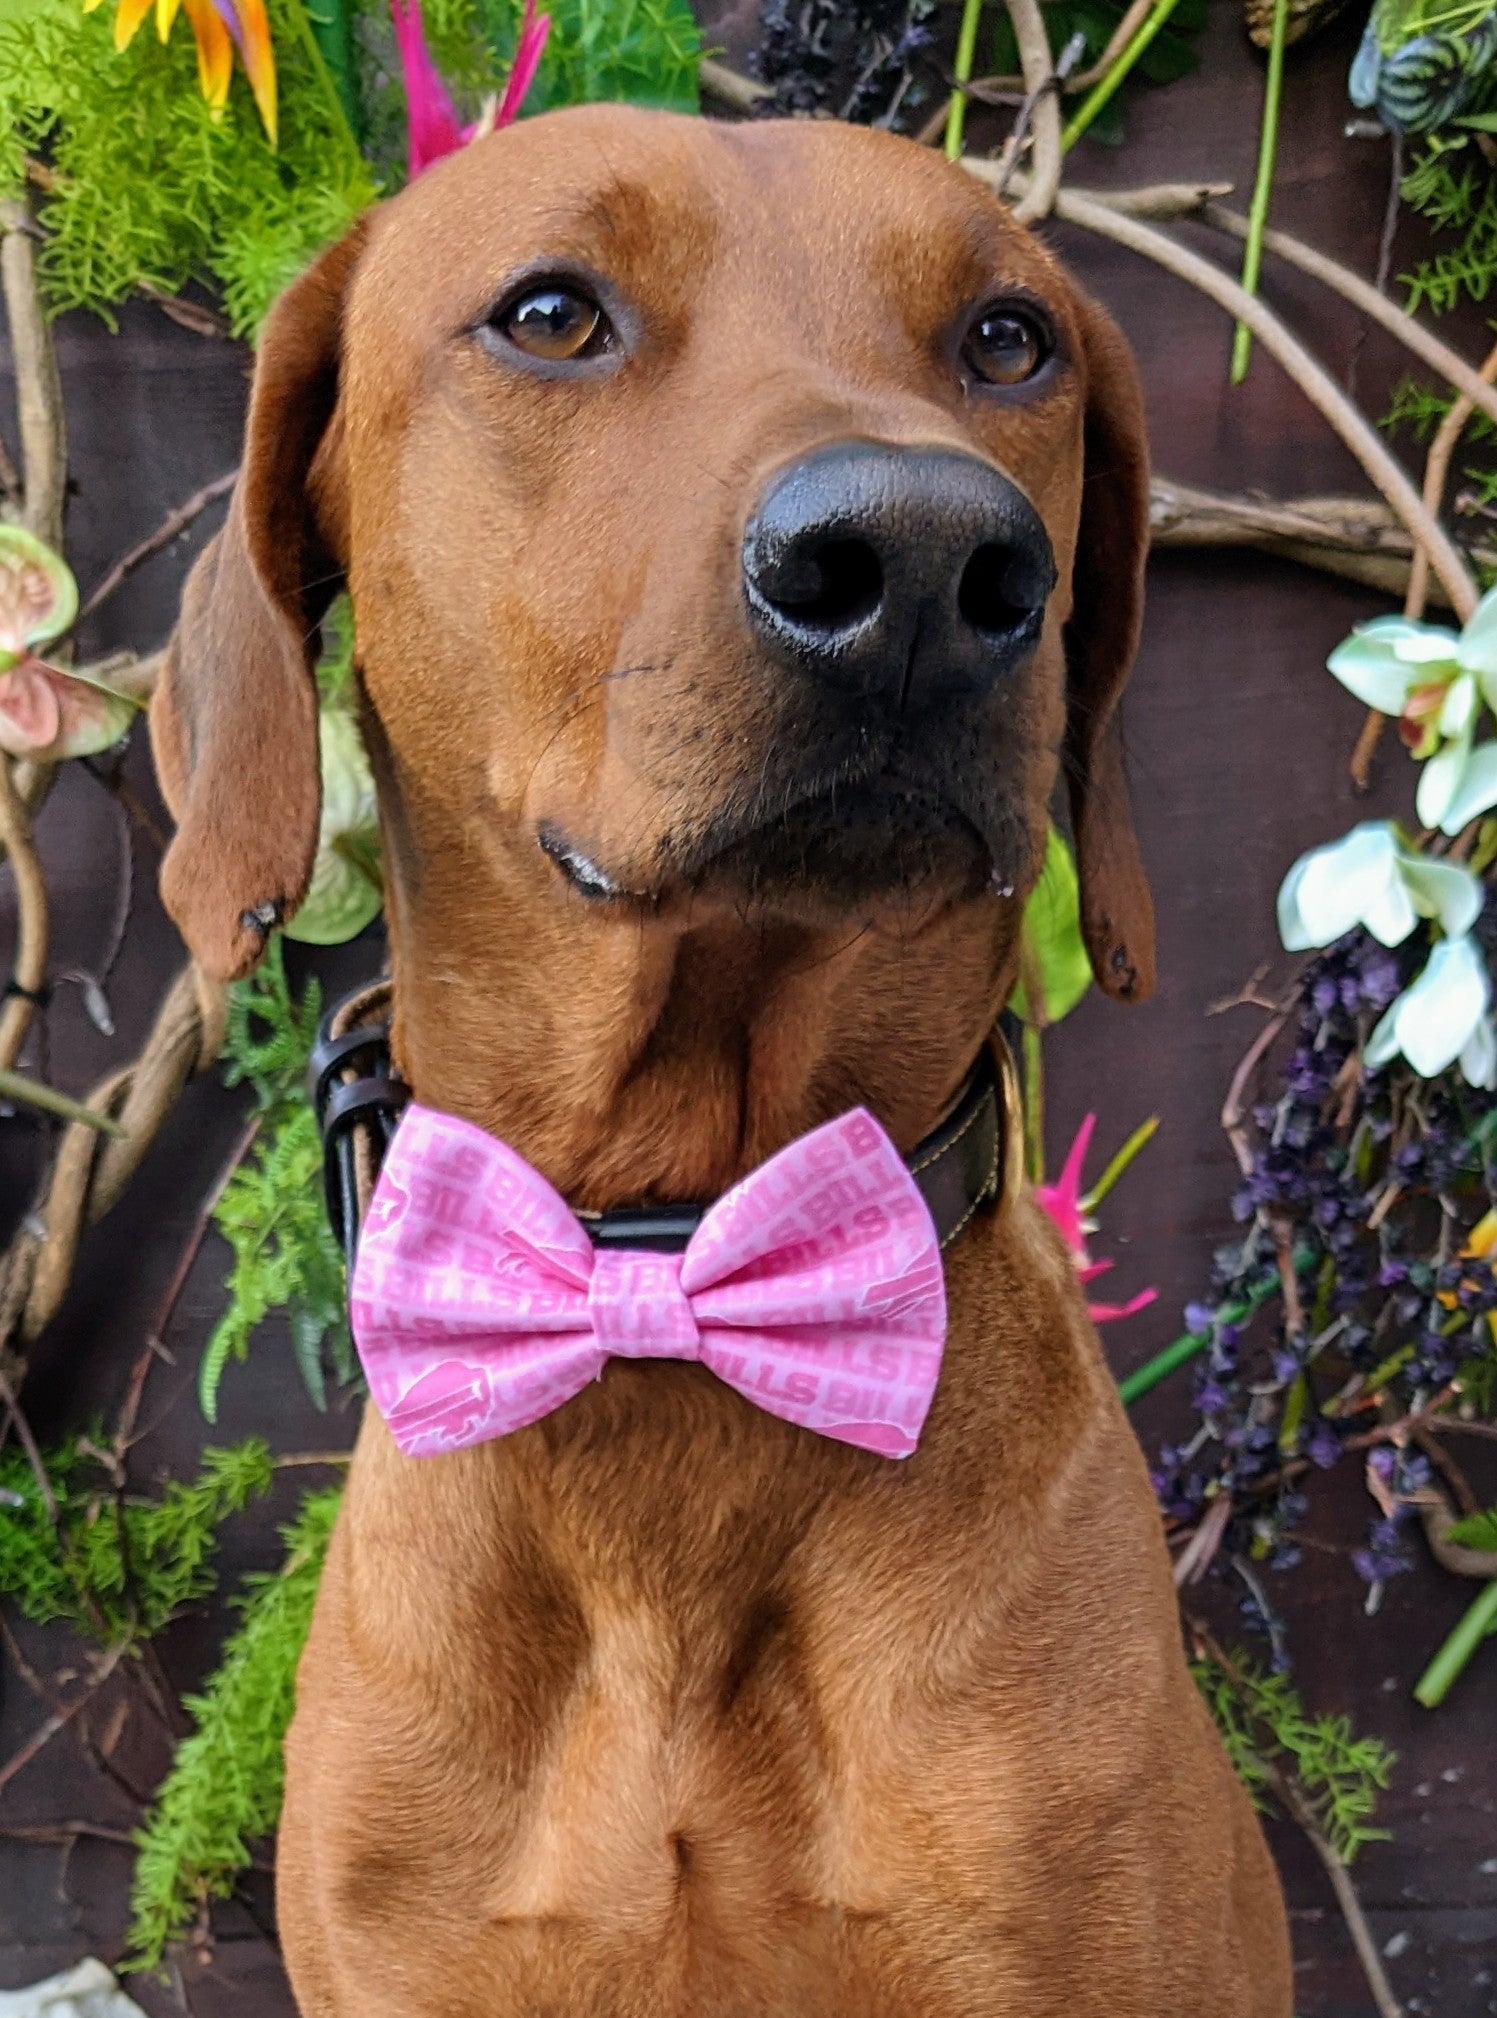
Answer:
(664, 1708)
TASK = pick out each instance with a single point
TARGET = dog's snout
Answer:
(909, 575)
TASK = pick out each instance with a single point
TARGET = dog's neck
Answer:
(643, 1059)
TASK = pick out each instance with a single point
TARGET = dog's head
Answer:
(734, 515)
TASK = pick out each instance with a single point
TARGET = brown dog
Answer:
(702, 492)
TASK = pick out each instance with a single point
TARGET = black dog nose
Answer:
(912, 575)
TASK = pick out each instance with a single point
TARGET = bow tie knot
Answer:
(814, 1289)
(638, 1308)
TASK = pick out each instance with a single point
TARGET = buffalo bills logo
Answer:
(442, 1409)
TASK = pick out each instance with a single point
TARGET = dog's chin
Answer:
(851, 854)
(860, 853)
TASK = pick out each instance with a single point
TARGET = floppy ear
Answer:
(1112, 544)
(234, 717)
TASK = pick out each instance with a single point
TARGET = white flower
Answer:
(1442, 1017)
(1434, 681)
(1370, 878)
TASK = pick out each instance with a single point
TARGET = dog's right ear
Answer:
(234, 717)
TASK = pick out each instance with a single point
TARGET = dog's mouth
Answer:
(839, 847)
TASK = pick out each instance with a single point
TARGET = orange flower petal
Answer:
(215, 51)
(166, 14)
(259, 60)
(127, 18)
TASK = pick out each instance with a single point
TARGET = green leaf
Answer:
(38, 595)
(346, 891)
(1475, 1531)
(1053, 944)
(644, 52)
(117, 1568)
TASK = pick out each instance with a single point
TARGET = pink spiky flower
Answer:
(1064, 1202)
(434, 129)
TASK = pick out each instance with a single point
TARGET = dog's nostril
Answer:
(995, 594)
(832, 587)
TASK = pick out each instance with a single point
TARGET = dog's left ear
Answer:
(234, 716)
(1112, 544)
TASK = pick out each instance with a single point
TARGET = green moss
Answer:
(151, 189)
(224, 1788)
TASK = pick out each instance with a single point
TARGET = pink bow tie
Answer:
(814, 1288)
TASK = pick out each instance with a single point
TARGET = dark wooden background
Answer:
(1238, 742)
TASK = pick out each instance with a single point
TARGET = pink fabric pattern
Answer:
(814, 1288)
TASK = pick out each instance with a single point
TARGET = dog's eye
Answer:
(1006, 345)
(555, 323)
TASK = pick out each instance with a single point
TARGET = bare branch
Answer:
(43, 429)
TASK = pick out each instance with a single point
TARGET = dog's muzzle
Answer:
(910, 577)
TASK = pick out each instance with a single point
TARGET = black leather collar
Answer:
(962, 1166)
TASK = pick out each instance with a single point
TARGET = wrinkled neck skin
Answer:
(649, 1055)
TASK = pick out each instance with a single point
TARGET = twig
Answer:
(89, 1172)
(44, 1734)
(1467, 1427)
(16, 1420)
(1304, 1814)
(1282, 1229)
(1436, 476)
(998, 89)
(730, 87)
(1195, 1558)
(1232, 1106)
(1174, 201)
(1460, 1486)
(155, 1343)
(190, 314)
(1040, 111)
(175, 522)
(1311, 377)
(39, 408)
(30, 969)
(1387, 314)
(64, 1832)
(1356, 539)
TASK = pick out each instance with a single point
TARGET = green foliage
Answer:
(224, 1788)
(642, 51)
(1454, 190)
(1271, 1736)
(151, 187)
(272, 1212)
(113, 1565)
(1053, 950)
(1476, 1531)
(1171, 55)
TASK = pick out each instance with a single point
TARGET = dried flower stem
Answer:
(30, 969)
